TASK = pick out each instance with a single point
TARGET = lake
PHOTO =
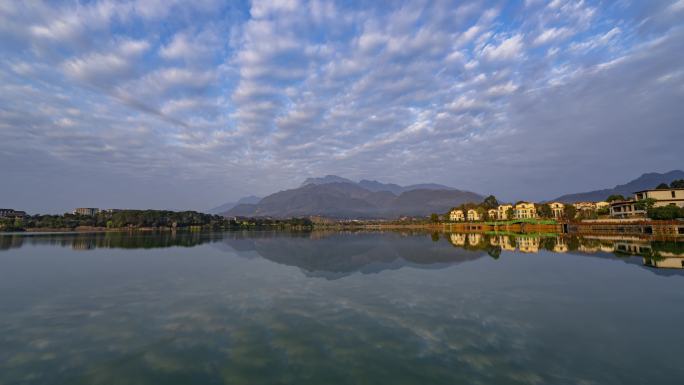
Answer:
(339, 308)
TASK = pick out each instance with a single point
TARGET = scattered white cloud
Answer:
(223, 91)
(507, 49)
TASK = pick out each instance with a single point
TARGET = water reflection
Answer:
(221, 313)
(336, 254)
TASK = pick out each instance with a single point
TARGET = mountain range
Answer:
(252, 199)
(335, 197)
(644, 182)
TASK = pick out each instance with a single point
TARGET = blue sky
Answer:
(175, 104)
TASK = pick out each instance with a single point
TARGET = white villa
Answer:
(473, 215)
(456, 215)
(525, 210)
(557, 209)
(502, 212)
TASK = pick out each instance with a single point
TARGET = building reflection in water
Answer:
(344, 252)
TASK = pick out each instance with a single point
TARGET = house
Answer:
(585, 206)
(491, 214)
(625, 209)
(456, 215)
(87, 211)
(602, 205)
(525, 210)
(502, 212)
(662, 197)
(557, 209)
(10, 213)
(473, 215)
(671, 196)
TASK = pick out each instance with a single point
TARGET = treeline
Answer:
(147, 219)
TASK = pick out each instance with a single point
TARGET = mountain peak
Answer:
(326, 179)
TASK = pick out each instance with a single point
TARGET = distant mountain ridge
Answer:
(227, 206)
(644, 182)
(337, 197)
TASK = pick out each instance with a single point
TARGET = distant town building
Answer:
(585, 206)
(473, 215)
(456, 215)
(602, 205)
(86, 211)
(11, 213)
(525, 210)
(557, 209)
(492, 214)
(502, 212)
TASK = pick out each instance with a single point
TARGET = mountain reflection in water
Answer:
(332, 254)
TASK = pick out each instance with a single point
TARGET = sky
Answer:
(191, 104)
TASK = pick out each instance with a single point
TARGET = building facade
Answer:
(11, 213)
(502, 212)
(525, 210)
(492, 214)
(662, 197)
(557, 209)
(672, 196)
(473, 215)
(456, 215)
(86, 211)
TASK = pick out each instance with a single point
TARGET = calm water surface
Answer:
(339, 308)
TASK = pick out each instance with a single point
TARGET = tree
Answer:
(544, 210)
(435, 237)
(666, 212)
(569, 211)
(662, 186)
(434, 218)
(490, 202)
(509, 213)
(679, 183)
(615, 197)
(645, 204)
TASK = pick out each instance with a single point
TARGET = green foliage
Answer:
(665, 212)
(509, 213)
(149, 219)
(662, 186)
(544, 211)
(645, 204)
(434, 218)
(570, 212)
(490, 202)
(615, 197)
(679, 183)
(435, 237)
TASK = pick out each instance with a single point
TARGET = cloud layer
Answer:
(186, 105)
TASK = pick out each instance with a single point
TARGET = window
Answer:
(673, 193)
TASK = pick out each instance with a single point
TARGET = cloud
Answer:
(238, 98)
(509, 48)
(552, 34)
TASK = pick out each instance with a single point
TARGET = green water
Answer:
(339, 308)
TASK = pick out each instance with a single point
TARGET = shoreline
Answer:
(669, 228)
